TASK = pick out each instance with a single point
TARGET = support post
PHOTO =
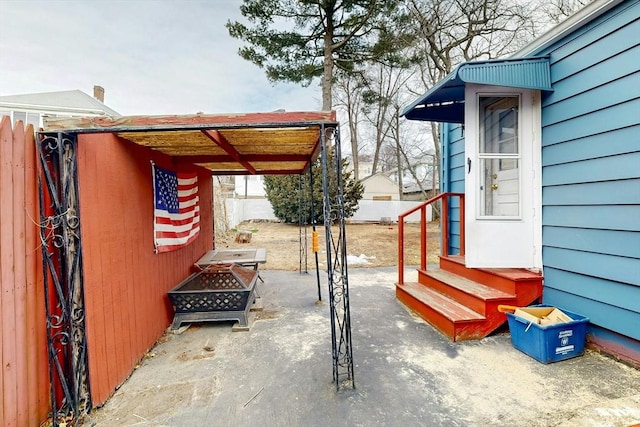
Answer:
(302, 227)
(63, 277)
(400, 250)
(462, 225)
(423, 237)
(313, 228)
(444, 225)
(334, 224)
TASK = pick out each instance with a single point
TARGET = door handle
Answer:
(494, 186)
(468, 164)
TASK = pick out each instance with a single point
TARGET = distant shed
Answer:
(380, 187)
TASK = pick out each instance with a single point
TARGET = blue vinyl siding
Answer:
(621, 321)
(591, 172)
(608, 242)
(615, 92)
(596, 288)
(594, 264)
(605, 217)
(619, 141)
(594, 77)
(579, 54)
(453, 168)
(605, 120)
(622, 192)
(606, 168)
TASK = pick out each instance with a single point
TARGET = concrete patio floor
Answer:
(406, 373)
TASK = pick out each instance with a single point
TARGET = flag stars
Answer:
(167, 191)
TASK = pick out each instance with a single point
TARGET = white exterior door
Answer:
(502, 183)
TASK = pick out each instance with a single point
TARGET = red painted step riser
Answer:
(468, 300)
(523, 289)
(521, 276)
(529, 294)
(526, 293)
(488, 279)
(455, 331)
(477, 331)
(427, 313)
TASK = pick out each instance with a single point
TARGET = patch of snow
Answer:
(362, 259)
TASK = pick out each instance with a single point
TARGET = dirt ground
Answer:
(368, 245)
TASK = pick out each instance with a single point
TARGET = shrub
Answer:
(285, 191)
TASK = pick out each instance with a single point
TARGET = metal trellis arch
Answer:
(334, 225)
(63, 277)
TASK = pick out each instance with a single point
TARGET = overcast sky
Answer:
(152, 57)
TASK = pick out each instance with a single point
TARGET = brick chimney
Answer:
(98, 93)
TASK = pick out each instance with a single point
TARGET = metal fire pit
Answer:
(219, 292)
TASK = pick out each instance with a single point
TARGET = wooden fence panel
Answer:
(125, 282)
(24, 369)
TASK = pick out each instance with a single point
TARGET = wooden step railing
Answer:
(444, 228)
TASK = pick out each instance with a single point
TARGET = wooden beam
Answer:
(270, 172)
(248, 157)
(222, 142)
(283, 172)
(198, 121)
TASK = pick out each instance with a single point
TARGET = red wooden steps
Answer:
(462, 302)
(467, 292)
(443, 313)
(510, 280)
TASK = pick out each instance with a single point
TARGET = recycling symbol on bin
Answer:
(564, 341)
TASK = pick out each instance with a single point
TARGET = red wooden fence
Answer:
(125, 282)
(24, 400)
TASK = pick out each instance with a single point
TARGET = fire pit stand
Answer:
(220, 292)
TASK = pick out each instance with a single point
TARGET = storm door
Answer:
(502, 146)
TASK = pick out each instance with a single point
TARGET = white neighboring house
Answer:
(380, 187)
(425, 172)
(364, 168)
(33, 107)
(252, 186)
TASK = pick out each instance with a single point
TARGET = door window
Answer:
(499, 156)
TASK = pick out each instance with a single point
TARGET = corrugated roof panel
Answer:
(445, 101)
(524, 73)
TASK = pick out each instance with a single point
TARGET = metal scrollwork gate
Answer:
(334, 225)
(63, 277)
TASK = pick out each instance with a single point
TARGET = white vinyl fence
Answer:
(239, 210)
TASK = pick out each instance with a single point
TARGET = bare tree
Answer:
(348, 95)
(558, 10)
(411, 149)
(385, 84)
(454, 31)
(450, 32)
(439, 35)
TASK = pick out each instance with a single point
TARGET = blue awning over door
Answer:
(445, 101)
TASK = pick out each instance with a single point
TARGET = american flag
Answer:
(176, 209)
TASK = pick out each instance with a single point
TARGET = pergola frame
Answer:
(60, 223)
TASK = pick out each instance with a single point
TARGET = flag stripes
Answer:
(176, 209)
